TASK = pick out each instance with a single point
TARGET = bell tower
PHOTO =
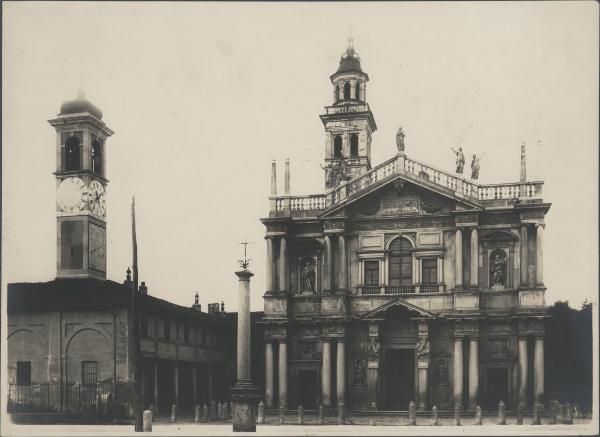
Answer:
(80, 189)
(348, 122)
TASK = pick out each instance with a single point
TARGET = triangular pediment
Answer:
(378, 312)
(398, 195)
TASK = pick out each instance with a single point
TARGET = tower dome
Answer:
(80, 104)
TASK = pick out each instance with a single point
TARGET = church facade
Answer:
(401, 282)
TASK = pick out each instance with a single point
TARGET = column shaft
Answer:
(524, 255)
(176, 384)
(458, 259)
(269, 273)
(473, 371)
(523, 372)
(341, 372)
(538, 375)
(283, 264)
(283, 373)
(269, 374)
(422, 388)
(342, 281)
(195, 385)
(326, 374)
(458, 371)
(155, 386)
(243, 327)
(539, 255)
(474, 258)
(329, 268)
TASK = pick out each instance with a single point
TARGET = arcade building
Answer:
(400, 281)
(70, 342)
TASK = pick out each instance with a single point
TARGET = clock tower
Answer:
(80, 189)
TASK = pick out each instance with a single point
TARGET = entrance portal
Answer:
(308, 389)
(497, 387)
(399, 378)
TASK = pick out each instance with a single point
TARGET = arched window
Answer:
(337, 93)
(346, 90)
(353, 145)
(357, 91)
(72, 154)
(337, 146)
(400, 263)
(97, 156)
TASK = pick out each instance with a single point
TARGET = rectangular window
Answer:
(23, 372)
(144, 327)
(371, 273)
(167, 329)
(429, 270)
(89, 374)
(71, 242)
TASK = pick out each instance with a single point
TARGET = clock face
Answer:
(97, 198)
(72, 195)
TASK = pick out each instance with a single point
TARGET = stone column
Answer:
(269, 274)
(474, 258)
(538, 369)
(155, 388)
(283, 373)
(523, 372)
(422, 386)
(176, 384)
(539, 254)
(458, 259)
(341, 372)
(195, 385)
(282, 264)
(458, 371)
(269, 373)
(524, 255)
(342, 281)
(326, 373)
(329, 268)
(473, 371)
(244, 394)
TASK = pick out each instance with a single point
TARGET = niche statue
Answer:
(498, 268)
(307, 275)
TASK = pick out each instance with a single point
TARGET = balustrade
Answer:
(462, 187)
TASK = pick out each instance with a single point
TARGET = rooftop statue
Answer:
(460, 159)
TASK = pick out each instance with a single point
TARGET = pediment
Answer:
(376, 313)
(399, 196)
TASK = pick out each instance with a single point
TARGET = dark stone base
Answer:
(244, 401)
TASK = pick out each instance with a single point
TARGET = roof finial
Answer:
(81, 93)
(350, 48)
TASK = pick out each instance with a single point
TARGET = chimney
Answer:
(222, 306)
(523, 177)
(274, 178)
(143, 288)
(287, 178)
(197, 305)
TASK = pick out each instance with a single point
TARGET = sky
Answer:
(203, 96)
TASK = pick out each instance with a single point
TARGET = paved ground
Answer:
(580, 427)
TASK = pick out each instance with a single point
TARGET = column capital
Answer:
(540, 225)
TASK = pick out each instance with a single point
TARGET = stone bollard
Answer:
(536, 414)
(219, 411)
(204, 413)
(341, 414)
(147, 421)
(434, 416)
(553, 413)
(568, 414)
(478, 415)
(412, 413)
(457, 415)
(321, 410)
(197, 414)
(519, 416)
(281, 415)
(261, 412)
(173, 413)
(229, 415)
(213, 410)
(300, 415)
(501, 413)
